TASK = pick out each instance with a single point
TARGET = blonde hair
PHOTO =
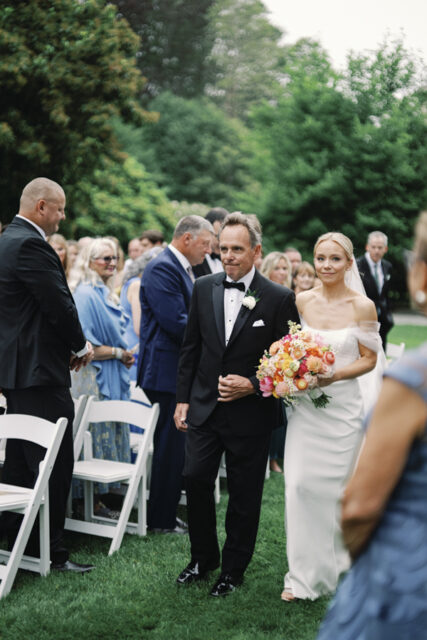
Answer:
(305, 267)
(57, 238)
(82, 272)
(344, 242)
(271, 261)
(421, 236)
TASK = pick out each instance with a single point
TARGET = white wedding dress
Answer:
(322, 446)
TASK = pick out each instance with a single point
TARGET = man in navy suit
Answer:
(376, 273)
(165, 295)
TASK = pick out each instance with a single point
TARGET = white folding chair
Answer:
(394, 351)
(29, 502)
(91, 470)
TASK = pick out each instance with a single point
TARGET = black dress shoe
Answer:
(224, 585)
(177, 529)
(194, 572)
(75, 567)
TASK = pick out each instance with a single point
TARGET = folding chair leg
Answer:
(88, 500)
(124, 515)
(217, 490)
(44, 536)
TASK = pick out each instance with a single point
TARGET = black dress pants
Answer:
(246, 460)
(22, 462)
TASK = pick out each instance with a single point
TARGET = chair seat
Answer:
(13, 497)
(102, 470)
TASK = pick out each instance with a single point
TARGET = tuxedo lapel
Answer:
(218, 305)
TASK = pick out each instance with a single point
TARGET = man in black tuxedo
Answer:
(375, 273)
(40, 341)
(212, 262)
(234, 316)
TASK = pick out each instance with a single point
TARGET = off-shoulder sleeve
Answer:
(411, 370)
(367, 334)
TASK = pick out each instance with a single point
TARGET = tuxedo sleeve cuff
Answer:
(82, 352)
(255, 383)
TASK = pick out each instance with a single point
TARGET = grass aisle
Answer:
(133, 593)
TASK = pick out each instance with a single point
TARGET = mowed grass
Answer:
(133, 594)
(411, 335)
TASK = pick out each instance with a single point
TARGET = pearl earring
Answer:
(420, 297)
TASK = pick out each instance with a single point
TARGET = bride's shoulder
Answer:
(305, 297)
(364, 308)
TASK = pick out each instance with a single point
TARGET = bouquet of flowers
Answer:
(290, 368)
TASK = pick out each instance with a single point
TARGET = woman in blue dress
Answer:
(384, 512)
(103, 322)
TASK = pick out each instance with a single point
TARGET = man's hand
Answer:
(77, 363)
(127, 358)
(180, 416)
(233, 387)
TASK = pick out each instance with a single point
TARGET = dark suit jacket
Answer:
(380, 299)
(204, 355)
(165, 297)
(202, 269)
(39, 324)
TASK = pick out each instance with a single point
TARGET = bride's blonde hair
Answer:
(340, 239)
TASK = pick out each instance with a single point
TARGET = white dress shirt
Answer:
(214, 264)
(379, 271)
(182, 261)
(233, 301)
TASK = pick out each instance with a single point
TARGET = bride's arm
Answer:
(365, 312)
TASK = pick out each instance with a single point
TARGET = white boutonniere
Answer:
(250, 299)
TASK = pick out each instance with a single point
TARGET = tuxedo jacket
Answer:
(39, 324)
(205, 356)
(165, 295)
(202, 269)
(380, 299)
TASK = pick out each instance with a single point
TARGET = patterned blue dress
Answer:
(384, 595)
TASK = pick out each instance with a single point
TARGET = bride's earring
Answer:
(420, 297)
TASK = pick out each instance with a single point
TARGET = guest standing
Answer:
(304, 277)
(40, 340)
(104, 324)
(384, 511)
(165, 294)
(277, 268)
(376, 275)
(212, 262)
(59, 245)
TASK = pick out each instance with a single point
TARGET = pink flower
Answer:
(283, 389)
(266, 386)
(314, 364)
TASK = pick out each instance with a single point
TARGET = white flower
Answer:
(249, 302)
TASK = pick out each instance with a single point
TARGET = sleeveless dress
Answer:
(322, 446)
(384, 596)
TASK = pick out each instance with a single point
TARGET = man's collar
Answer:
(183, 261)
(36, 226)
(371, 262)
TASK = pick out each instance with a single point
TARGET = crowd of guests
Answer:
(150, 319)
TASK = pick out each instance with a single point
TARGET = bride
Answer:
(322, 445)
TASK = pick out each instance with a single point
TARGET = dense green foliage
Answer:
(175, 42)
(197, 152)
(65, 68)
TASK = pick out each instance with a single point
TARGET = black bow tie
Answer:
(215, 256)
(234, 285)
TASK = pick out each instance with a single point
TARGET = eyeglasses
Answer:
(108, 259)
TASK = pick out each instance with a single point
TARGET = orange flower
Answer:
(314, 364)
(274, 348)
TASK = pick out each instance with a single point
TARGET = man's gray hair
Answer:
(250, 221)
(378, 234)
(193, 225)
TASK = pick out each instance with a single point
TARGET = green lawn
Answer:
(133, 594)
(412, 336)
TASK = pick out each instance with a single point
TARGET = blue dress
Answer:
(130, 336)
(384, 595)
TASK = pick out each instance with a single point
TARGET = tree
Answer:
(175, 40)
(65, 68)
(247, 56)
(196, 153)
(120, 200)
